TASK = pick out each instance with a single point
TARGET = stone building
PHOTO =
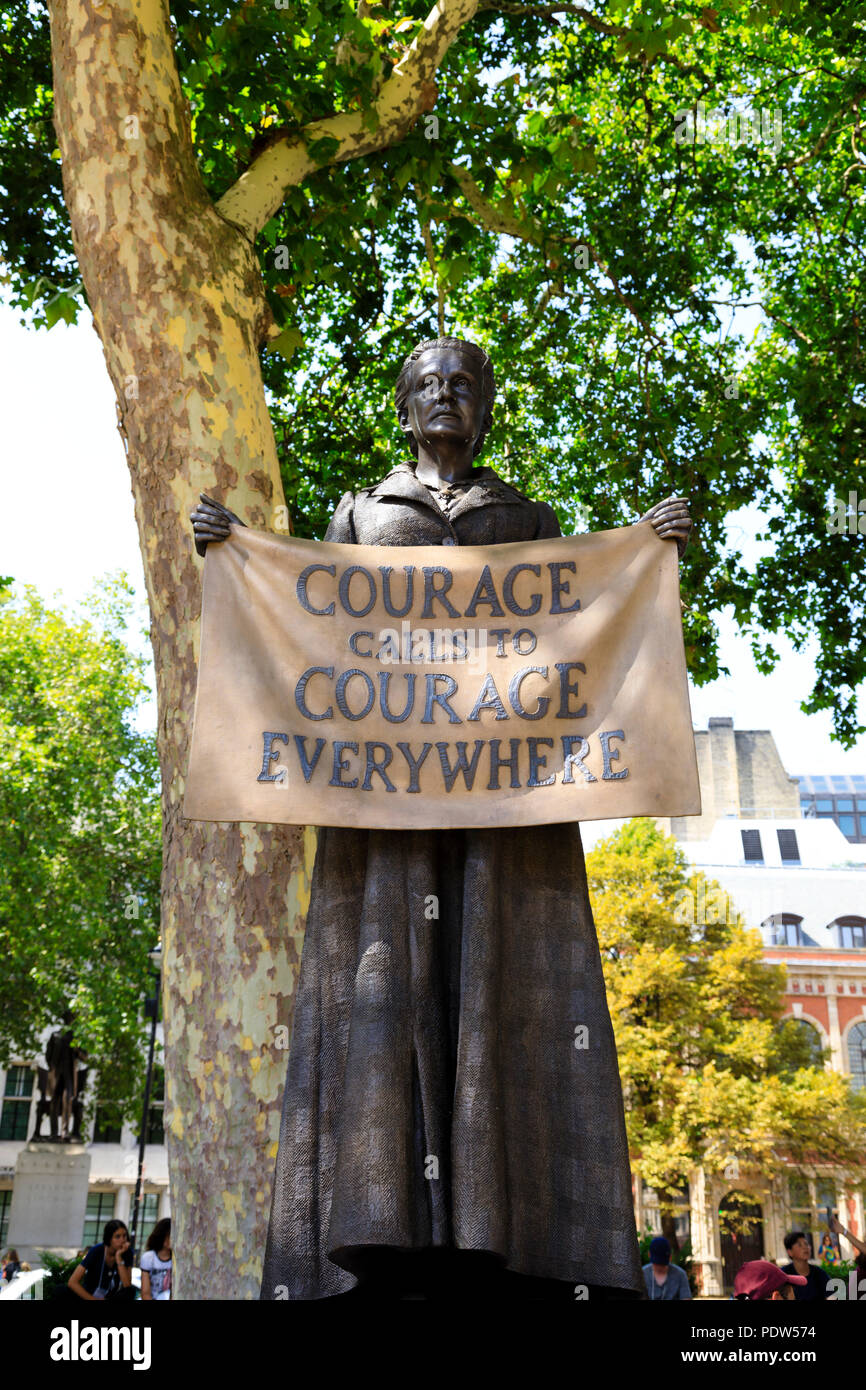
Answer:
(741, 774)
(799, 875)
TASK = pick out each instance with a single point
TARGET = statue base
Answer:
(58, 1143)
(49, 1199)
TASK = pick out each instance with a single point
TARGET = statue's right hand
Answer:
(211, 522)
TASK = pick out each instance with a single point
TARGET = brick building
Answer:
(793, 872)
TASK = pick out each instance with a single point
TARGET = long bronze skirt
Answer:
(452, 1082)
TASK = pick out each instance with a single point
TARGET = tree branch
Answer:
(409, 90)
(496, 218)
(592, 21)
(549, 11)
(437, 283)
(508, 223)
(823, 137)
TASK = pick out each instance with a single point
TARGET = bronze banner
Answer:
(414, 686)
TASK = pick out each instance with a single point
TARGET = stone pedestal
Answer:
(49, 1199)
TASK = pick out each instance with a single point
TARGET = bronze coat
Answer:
(435, 1095)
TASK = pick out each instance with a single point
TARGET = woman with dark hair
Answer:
(441, 1136)
(156, 1264)
(106, 1270)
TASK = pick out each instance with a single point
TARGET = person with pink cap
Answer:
(761, 1280)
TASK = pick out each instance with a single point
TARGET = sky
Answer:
(67, 519)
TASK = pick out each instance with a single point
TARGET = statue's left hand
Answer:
(671, 521)
(211, 522)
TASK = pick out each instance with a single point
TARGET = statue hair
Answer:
(488, 385)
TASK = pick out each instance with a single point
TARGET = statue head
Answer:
(445, 390)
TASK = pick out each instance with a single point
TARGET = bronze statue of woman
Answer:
(442, 1134)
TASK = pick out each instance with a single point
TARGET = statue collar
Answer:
(482, 488)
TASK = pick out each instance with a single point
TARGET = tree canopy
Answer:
(79, 834)
(558, 204)
(711, 1074)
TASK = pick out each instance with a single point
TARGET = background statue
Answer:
(61, 1088)
(442, 1135)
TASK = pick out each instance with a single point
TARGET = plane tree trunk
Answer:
(177, 301)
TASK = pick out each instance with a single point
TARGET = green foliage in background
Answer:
(79, 834)
(60, 1271)
(628, 369)
(711, 1077)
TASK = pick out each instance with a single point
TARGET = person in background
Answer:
(156, 1263)
(761, 1281)
(106, 1270)
(827, 1251)
(814, 1290)
(664, 1281)
(838, 1229)
(12, 1266)
(859, 1245)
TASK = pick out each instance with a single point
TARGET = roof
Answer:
(832, 784)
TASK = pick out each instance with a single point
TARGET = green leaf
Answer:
(287, 343)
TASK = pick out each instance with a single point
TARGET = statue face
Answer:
(446, 401)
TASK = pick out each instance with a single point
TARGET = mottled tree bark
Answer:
(177, 301)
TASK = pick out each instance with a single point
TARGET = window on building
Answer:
(18, 1092)
(783, 929)
(788, 848)
(825, 1196)
(752, 851)
(850, 931)
(857, 1056)
(108, 1126)
(680, 1201)
(100, 1208)
(5, 1208)
(802, 1209)
(148, 1215)
(812, 1039)
(839, 799)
